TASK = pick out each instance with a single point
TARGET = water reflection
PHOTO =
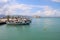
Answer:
(48, 21)
(45, 28)
(46, 24)
(20, 28)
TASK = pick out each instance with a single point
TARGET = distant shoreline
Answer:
(43, 17)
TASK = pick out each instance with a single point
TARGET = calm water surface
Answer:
(39, 29)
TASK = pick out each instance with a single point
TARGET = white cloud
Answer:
(12, 6)
(4, 1)
(47, 11)
(37, 12)
(24, 8)
(19, 6)
(56, 0)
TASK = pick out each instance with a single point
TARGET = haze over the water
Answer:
(30, 7)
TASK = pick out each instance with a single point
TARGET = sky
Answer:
(43, 8)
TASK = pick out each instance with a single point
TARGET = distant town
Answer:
(34, 16)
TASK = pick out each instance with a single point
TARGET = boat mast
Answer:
(8, 17)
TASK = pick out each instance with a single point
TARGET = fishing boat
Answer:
(20, 21)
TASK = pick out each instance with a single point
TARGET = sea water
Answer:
(39, 29)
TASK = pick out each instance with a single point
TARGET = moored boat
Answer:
(20, 21)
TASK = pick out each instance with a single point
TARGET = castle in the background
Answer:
(36, 16)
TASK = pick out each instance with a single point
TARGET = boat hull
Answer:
(18, 23)
(1, 23)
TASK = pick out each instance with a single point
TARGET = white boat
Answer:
(19, 21)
